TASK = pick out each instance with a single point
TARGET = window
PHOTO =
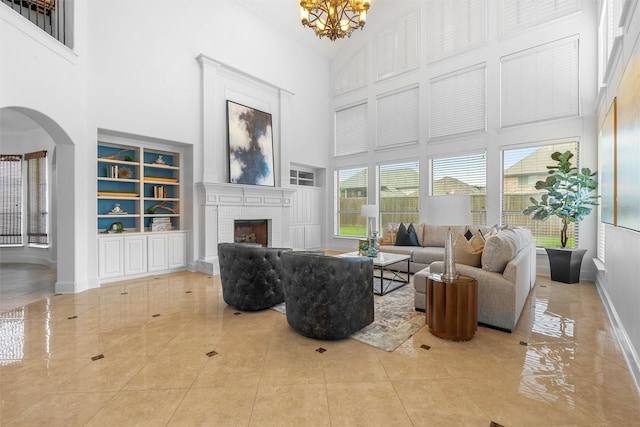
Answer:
(351, 194)
(11, 196)
(37, 206)
(518, 15)
(398, 192)
(540, 83)
(458, 102)
(454, 27)
(351, 130)
(532, 162)
(397, 47)
(463, 174)
(397, 119)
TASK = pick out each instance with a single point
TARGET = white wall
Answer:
(618, 281)
(133, 72)
(47, 81)
(584, 126)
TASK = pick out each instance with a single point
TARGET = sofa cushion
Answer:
(435, 235)
(427, 255)
(469, 251)
(406, 236)
(402, 250)
(500, 248)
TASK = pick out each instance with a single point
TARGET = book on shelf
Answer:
(159, 192)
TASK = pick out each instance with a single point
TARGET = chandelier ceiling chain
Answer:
(334, 18)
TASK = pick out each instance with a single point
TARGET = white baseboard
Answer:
(628, 351)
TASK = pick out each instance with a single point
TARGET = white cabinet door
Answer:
(312, 236)
(135, 254)
(110, 257)
(177, 250)
(297, 236)
(158, 255)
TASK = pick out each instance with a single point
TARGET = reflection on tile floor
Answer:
(175, 354)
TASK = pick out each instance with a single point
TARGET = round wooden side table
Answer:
(452, 307)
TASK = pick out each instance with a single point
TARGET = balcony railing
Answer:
(51, 16)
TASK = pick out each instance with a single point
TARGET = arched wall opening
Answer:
(62, 203)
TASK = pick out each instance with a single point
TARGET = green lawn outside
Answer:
(352, 231)
(553, 241)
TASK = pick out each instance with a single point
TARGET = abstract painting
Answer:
(250, 140)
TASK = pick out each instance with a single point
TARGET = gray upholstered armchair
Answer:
(328, 297)
(251, 275)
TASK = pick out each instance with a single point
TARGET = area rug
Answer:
(395, 319)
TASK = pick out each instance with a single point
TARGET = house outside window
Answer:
(350, 195)
(398, 193)
(522, 168)
(463, 174)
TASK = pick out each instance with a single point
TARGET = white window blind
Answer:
(351, 130)
(397, 47)
(463, 174)
(350, 195)
(540, 83)
(522, 168)
(455, 26)
(458, 102)
(353, 75)
(398, 192)
(608, 30)
(37, 206)
(11, 199)
(518, 15)
(398, 118)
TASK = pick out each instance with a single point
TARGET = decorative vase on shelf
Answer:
(374, 247)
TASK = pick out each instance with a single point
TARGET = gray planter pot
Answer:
(565, 264)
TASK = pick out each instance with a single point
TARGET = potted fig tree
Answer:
(566, 195)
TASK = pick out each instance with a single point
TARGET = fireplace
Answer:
(251, 231)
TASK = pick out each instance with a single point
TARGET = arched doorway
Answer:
(62, 230)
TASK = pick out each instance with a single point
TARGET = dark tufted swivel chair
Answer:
(251, 275)
(328, 297)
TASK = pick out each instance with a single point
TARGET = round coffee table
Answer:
(452, 307)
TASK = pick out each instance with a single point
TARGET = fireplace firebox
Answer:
(251, 231)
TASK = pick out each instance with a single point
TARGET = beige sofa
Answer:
(431, 240)
(505, 278)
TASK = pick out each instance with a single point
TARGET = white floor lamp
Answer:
(449, 210)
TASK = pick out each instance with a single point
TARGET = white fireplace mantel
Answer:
(222, 194)
(224, 203)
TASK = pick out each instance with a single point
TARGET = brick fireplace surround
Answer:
(225, 203)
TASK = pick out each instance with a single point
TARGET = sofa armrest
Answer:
(477, 273)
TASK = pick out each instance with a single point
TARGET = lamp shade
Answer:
(369, 211)
(449, 209)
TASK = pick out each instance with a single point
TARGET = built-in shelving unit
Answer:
(138, 211)
(138, 189)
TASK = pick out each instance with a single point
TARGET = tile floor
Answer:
(166, 350)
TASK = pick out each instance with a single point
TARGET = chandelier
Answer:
(334, 18)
